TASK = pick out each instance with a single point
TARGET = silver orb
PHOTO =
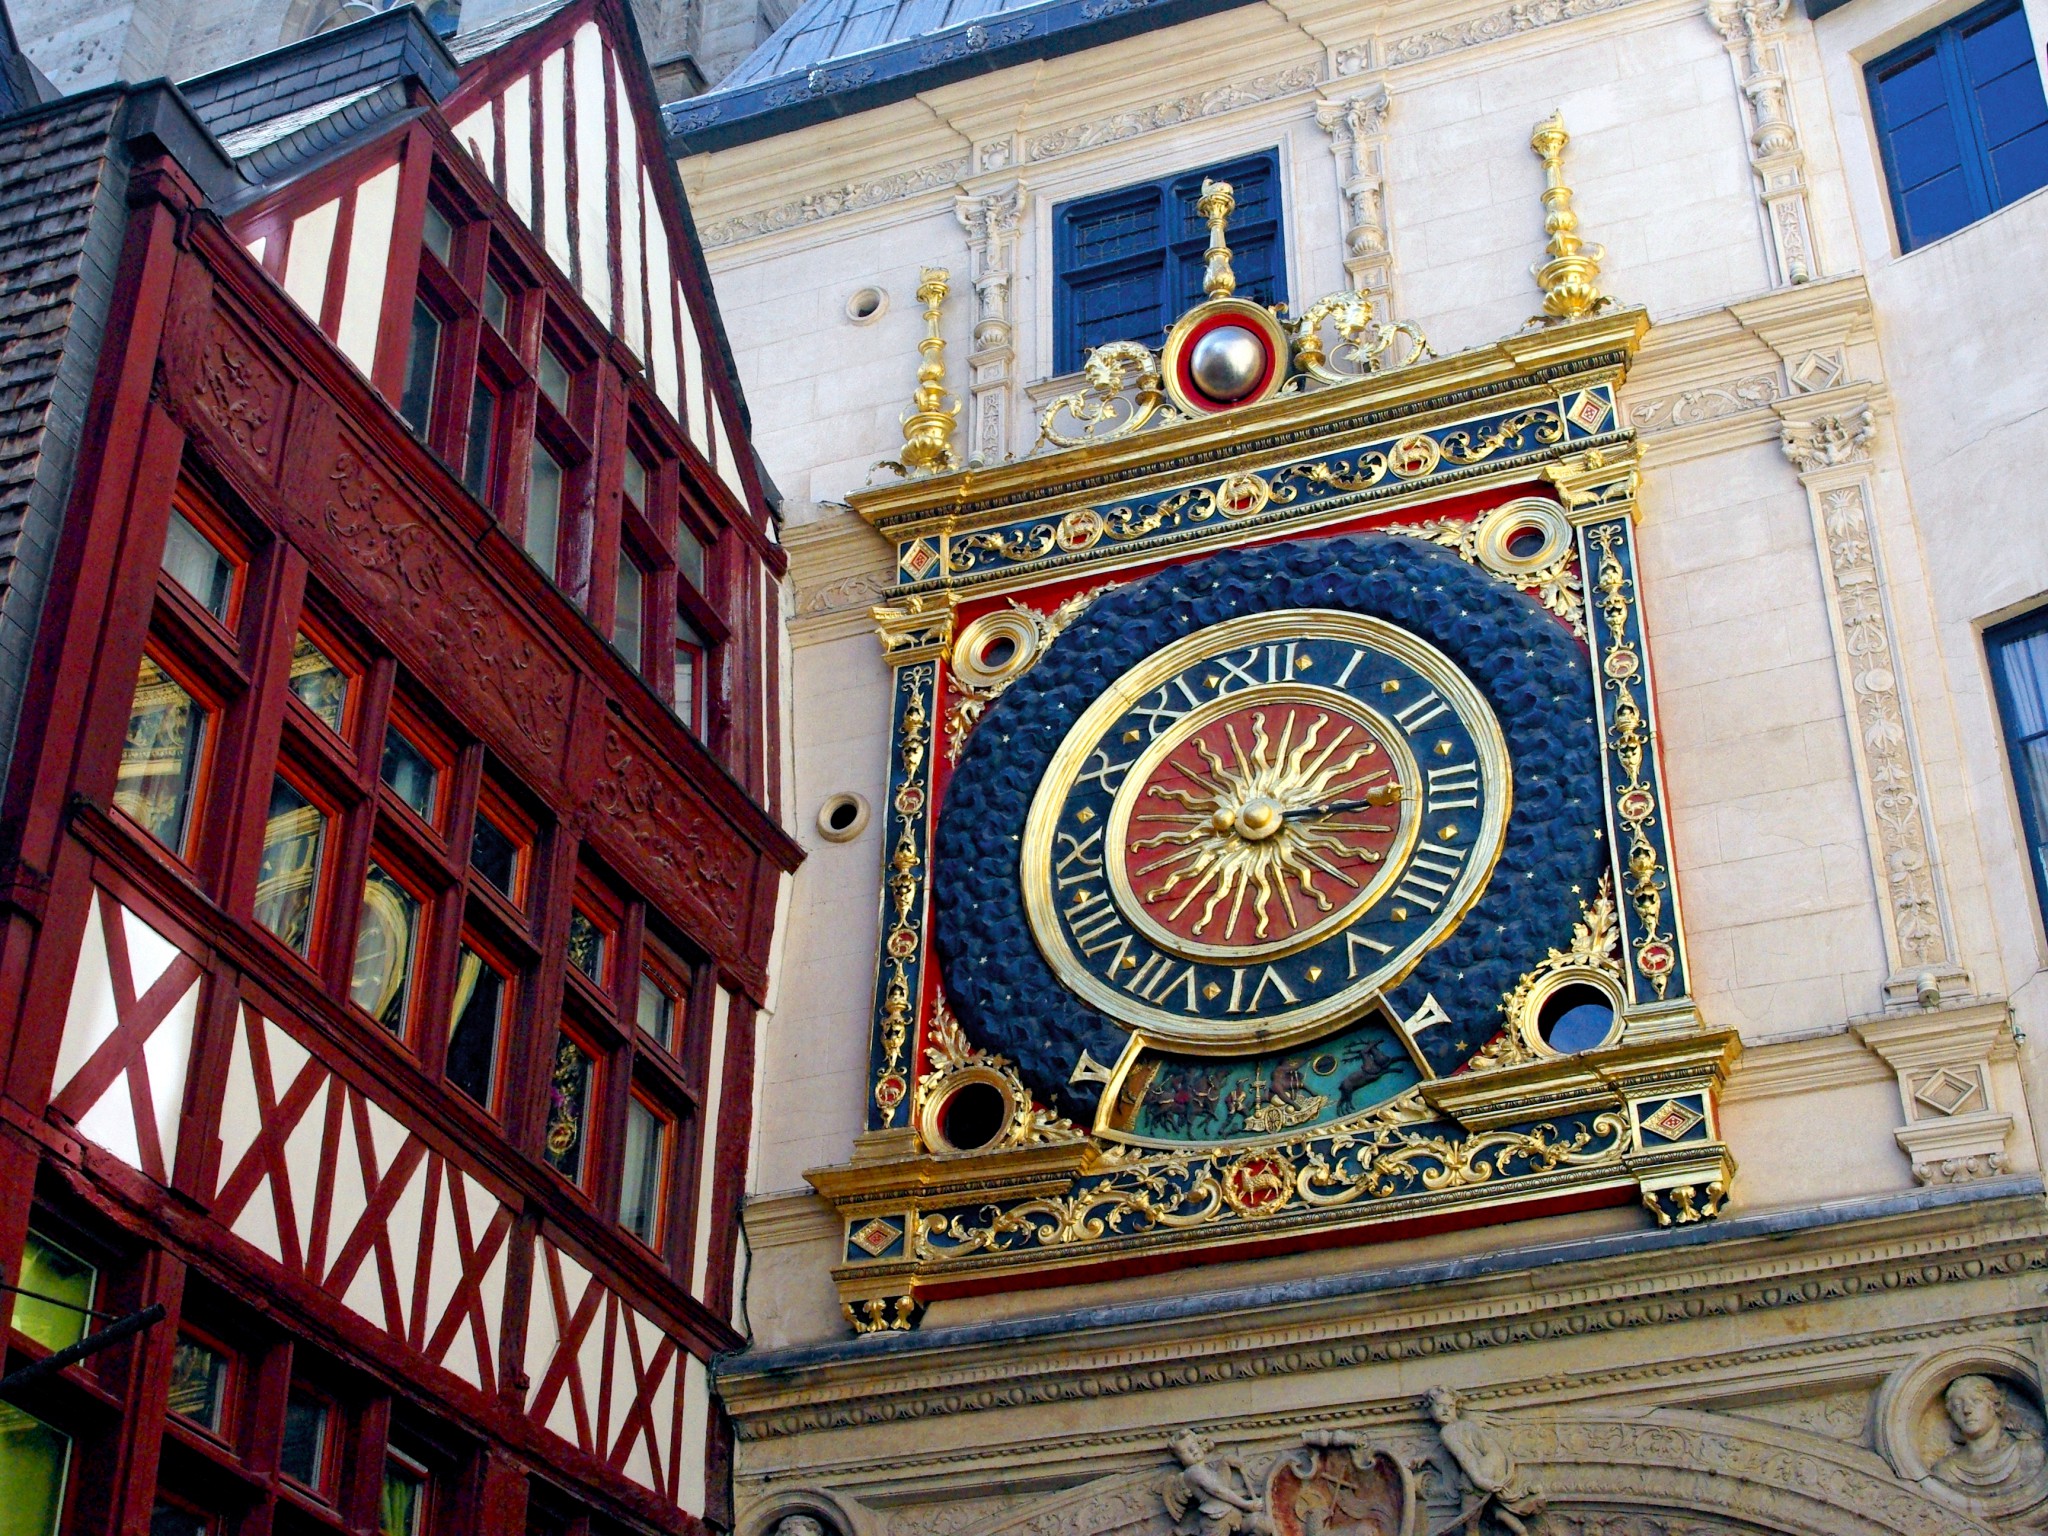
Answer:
(1227, 363)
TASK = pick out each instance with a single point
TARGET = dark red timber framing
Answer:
(390, 851)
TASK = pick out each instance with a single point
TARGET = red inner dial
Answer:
(1263, 823)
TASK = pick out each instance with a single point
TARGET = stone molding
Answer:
(1171, 112)
(1814, 1063)
(1754, 32)
(838, 569)
(1492, 27)
(1954, 1129)
(1951, 1244)
(789, 1218)
(833, 202)
(991, 219)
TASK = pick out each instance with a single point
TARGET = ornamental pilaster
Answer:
(1754, 33)
(1954, 1130)
(1356, 125)
(1828, 437)
(991, 219)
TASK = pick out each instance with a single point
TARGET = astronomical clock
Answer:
(1275, 846)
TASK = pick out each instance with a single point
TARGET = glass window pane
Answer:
(494, 854)
(381, 983)
(569, 1098)
(476, 453)
(633, 475)
(303, 1457)
(476, 1022)
(321, 685)
(554, 378)
(543, 508)
(289, 876)
(48, 1271)
(626, 611)
(34, 1459)
(416, 399)
(193, 561)
(404, 1501)
(495, 305)
(160, 757)
(169, 1520)
(410, 773)
(646, 1157)
(657, 1011)
(690, 557)
(199, 1382)
(689, 662)
(439, 234)
(586, 944)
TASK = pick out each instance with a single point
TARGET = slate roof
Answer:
(834, 57)
(380, 50)
(494, 35)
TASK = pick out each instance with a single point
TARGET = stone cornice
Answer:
(839, 568)
(1810, 1063)
(1748, 1262)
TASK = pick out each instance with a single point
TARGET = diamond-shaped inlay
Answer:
(1947, 1092)
(1588, 410)
(918, 558)
(1818, 370)
(875, 1237)
(1673, 1120)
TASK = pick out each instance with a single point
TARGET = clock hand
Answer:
(1379, 795)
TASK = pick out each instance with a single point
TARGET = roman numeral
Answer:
(1101, 770)
(1453, 789)
(1277, 669)
(1078, 852)
(1344, 677)
(1162, 711)
(1429, 876)
(1089, 918)
(1246, 678)
(1354, 942)
(1431, 1012)
(1425, 709)
(1155, 981)
(1269, 977)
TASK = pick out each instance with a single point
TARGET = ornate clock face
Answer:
(1257, 829)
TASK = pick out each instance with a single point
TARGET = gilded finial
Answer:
(928, 430)
(1216, 204)
(1570, 277)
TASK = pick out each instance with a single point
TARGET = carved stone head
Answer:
(800, 1525)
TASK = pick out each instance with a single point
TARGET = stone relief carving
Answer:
(800, 1525)
(1357, 129)
(1167, 114)
(1994, 1455)
(831, 202)
(991, 220)
(1523, 16)
(1966, 1426)
(1754, 33)
(1705, 402)
(1213, 1495)
(1484, 1454)
(1843, 1415)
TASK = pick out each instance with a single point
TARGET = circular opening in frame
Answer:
(1000, 651)
(1575, 1017)
(1524, 542)
(973, 1116)
(841, 818)
(866, 304)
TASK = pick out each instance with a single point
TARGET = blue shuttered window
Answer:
(2019, 667)
(1128, 263)
(1961, 120)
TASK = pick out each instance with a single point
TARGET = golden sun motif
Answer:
(1262, 823)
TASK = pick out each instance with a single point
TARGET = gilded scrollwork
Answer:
(971, 702)
(1556, 584)
(1360, 343)
(903, 884)
(949, 1053)
(1595, 947)
(1121, 394)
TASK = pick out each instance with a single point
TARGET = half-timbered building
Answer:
(391, 845)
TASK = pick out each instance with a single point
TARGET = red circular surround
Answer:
(1183, 364)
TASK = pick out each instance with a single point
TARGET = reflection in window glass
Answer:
(690, 557)
(688, 675)
(192, 561)
(439, 234)
(199, 1382)
(416, 399)
(543, 508)
(475, 1025)
(569, 1098)
(495, 304)
(554, 378)
(159, 775)
(647, 1135)
(34, 1459)
(405, 1499)
(289, 876)
(66, 1280)
(657, 1011)
(476, 453)
(169, 1520)
(307, 1423)
(381, 984)
(321, 685)
(633, 475)
(494, 854)
(586, 945)
(626, 611)
(410, 773)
